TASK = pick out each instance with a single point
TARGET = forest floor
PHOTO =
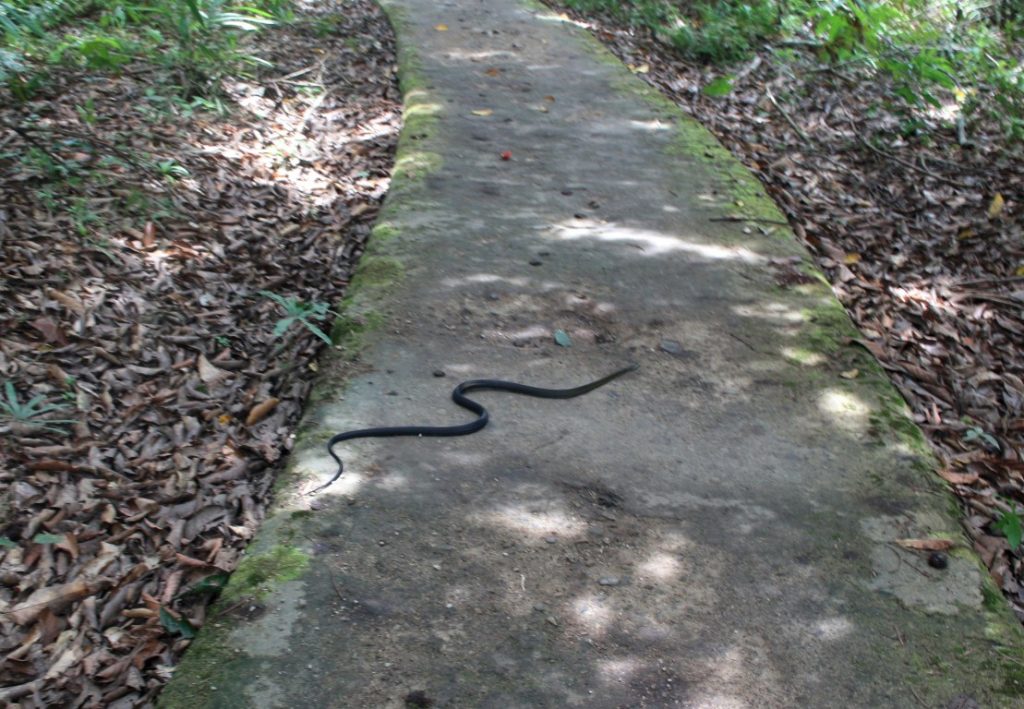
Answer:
(918, 228)
(150, 257)
(161, 269)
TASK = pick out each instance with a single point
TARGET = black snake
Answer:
(460, 398)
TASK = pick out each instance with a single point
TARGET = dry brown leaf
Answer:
(149, 235)
(207, 372)
(189, 561)
(72, 655)
(68, 301)
(144, 613)
(926, 544)
(958, 478)
(54, 598)
(258, 412)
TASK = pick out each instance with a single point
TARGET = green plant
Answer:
(41, 538)
(87, 111)
(29, 413)
(198, 41)
(95, 51)
(83, 216)
(301, 312)
(46, 165)
(1009, 523)
(976, 434)
(171, 170)
(207, 41)
(725, 31)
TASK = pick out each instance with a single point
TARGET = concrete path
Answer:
(718, 529)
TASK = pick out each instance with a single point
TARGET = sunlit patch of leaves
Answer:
(125, 298)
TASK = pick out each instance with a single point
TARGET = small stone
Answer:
(438, 372)
(938, 560)
(567, 192)
(551, 539)
(609, 580)
(493, 296)
(539, 607)
(554, 621)
(418, 698)
(536, 262)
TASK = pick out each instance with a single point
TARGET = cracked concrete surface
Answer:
(717, 529)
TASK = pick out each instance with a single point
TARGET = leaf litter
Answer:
(921, 235)
(154, 400)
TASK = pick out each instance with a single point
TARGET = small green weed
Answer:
(87, 112)
(299, 311)
(83, 216)
(976, 434)
(1009, 523)
(29, 413)
(171, 170)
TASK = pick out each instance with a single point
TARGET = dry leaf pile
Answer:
(130, 303)
(921, 236)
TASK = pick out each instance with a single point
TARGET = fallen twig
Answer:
(757, 220)
(789, 119)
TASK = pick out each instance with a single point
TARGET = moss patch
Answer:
(281, 563)
(420, 112)
(416, 164)
(382, 233)
(209, 660)
(376, 271)
(827, 327)
(350, 330)
(745, 194)
(892, 419)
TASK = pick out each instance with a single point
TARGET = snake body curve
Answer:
(460, 398)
